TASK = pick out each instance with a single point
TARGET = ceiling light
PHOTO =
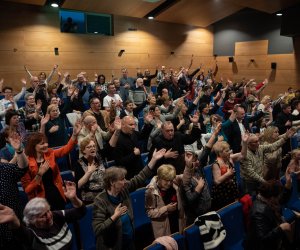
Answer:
(150, 17)
(54, 5)
(95, 32)
(279, 14)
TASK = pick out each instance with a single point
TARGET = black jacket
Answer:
(233, 132)
(264, 232)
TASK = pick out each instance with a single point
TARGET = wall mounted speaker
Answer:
(273, 65)
(56, 52)
(231, 59)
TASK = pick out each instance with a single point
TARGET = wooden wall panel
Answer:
(284, 76)
(251, 48)
(37, 33)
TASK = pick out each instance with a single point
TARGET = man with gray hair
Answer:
(252, 164)
(174, 143)
(137, 94)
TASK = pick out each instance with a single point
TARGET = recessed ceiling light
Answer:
(279, 14)
(150, 17)
(54, 5)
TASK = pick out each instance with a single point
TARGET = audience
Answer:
(183, 135)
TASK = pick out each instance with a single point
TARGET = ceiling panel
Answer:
(133, 8)
(198, 12)
(269, 6)
(34, 2)
(191, 12)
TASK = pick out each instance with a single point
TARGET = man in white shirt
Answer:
(112, 99)
(9, 101)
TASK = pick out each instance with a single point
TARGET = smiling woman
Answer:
(42, 178)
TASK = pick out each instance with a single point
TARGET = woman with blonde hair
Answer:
(163, 203)
(272, 160)
(225, 189)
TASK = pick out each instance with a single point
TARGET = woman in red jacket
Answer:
(43, 176)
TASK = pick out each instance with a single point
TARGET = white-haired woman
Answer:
(45, 229)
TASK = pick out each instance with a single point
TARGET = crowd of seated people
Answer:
(184, 122)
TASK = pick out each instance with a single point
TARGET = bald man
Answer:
(127, 152)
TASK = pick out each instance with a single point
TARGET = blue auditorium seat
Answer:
(67, 175)
(145, 158)
(233, 221)
(87, 235)
(192, 237)
(208, 176)
(294, 201)
(142, 223)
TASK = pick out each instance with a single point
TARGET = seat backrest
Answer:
(87, 235)
(192, 238)
(74, 244)
(294, 199)
(233, 221)
(23, 198)
(67, 176)
(237, 168)
(180, 239)
(208, 175)
(110, 164)
(138, 205)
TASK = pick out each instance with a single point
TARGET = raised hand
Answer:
(7, 215)
(77, 127)
(45, 119)
(290, 132)
(38, 105)
(218, 128)
(245, 137)
(117, 123)
(66, 74)
(195, 118)
(158, 154)
(70, 190)
(23, 81)
(15, 141)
